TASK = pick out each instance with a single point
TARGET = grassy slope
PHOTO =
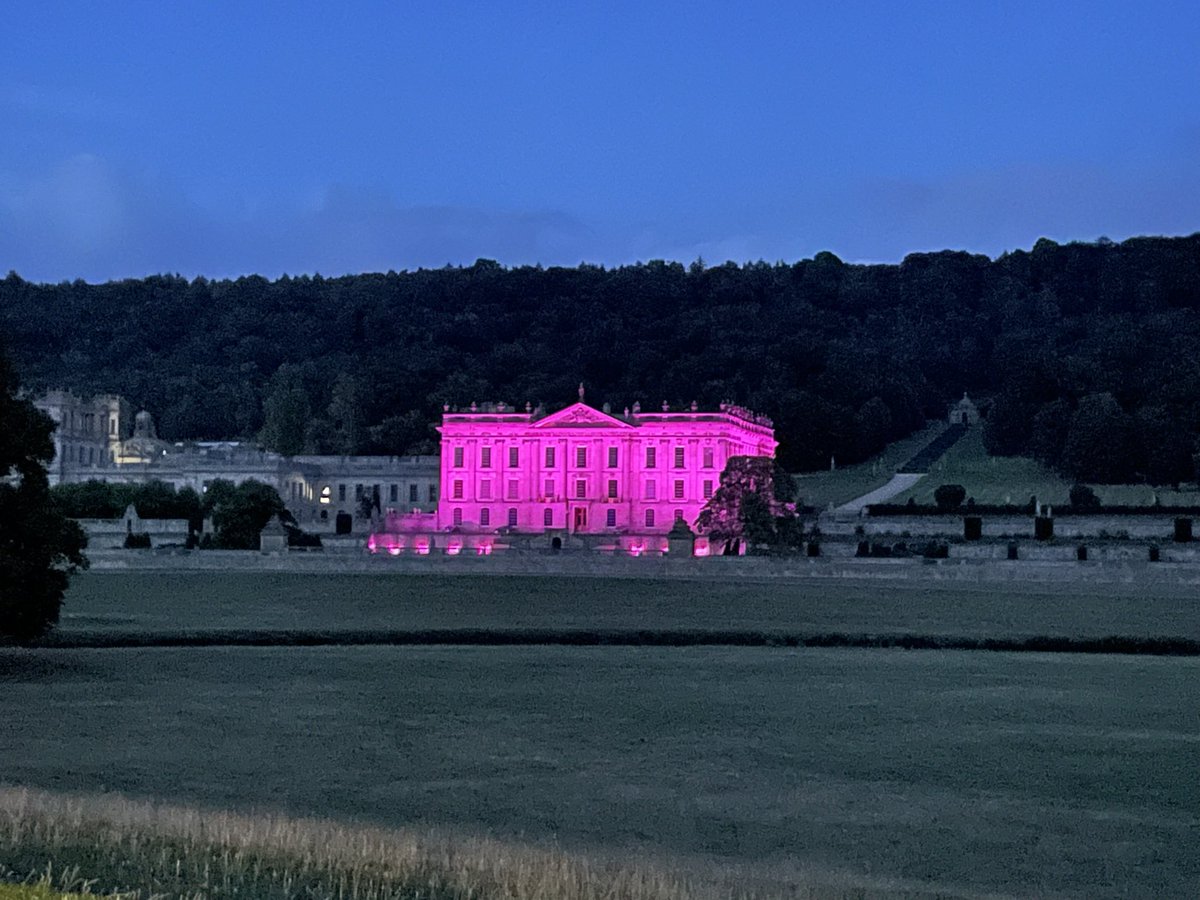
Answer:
(33, 892)
(820, 489)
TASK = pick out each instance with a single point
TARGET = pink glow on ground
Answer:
(701, 547)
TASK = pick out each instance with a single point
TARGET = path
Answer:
(898, 485)
(908, 474)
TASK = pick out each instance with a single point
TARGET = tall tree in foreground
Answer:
(39, 547)
(755, 503)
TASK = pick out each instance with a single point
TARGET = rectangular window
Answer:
(679, 457)
(708, 457)
(679, 515)
(549, 488)
(358, 492)
(610, 518)
(458, 457)
(651, 457)
(433, 493)
(649, 518)
(341, 493)
(485, 517)
(580, 489)
(514, 457)
(485, 457)
(651, 490)
(412, 493)
(581, 457)
(679, 490)
(485, 490)
(514, 488)
(458, 517)
(612, 457)
(549, 457)
(707, 489)
(548, 518)
(612, 489)
(393, 493)
(458, 490)
(512, 518)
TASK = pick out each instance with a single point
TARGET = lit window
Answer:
(458, 517)
(514, 457)
(485, 457)
(548, 517)
(326, 494)
(485, 490)
(610, 518)
(512, 517)
(412, 493)
(458, 457)
(485, 517)
(679, 457)
(708, 457)
(612, 457)
(651, 490)
(678, 490)
(649, 518)
(581, 457)
(612, 488)
(651, 457)
(458, 490)
(513, 489)
(549, 457)
(580, 489)
(707, 489)
(549, 488)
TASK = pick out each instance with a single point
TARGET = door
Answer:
(580, 518)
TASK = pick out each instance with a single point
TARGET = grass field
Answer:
(820, 489)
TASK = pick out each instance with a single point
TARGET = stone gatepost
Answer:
(681, 541)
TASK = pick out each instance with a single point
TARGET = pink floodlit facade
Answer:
(586, 471)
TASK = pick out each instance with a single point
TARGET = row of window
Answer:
(360, 491)
(581, 489)
(581, 457)
(610, 517)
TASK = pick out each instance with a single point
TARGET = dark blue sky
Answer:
(344, 137)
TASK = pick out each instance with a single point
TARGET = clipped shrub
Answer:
(1083, 497)
(949, 496)
(1081, 553)
(814, 549)
(1154, 553)
(139, 541)
(864, 549)
(936, 550)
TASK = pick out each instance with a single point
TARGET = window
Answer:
(393, 493)
(679, 515)
(580, 489)
(458, 457)
(708, 457)
(548, 517)
(581, 457)
(612, 489)
(649, 518)
(458, 517)
(433, 493)
(514, 457)
(412, 493)
(679, 457)
(678, 489)
(358, 492)
(485, 517)
(512, 517)
(651, 490)
(651, 457)
(325, 492)
(485, 490)
(707, 489)
(458, 490)
(341, 493)
(112, 426)
(485, 457)
(610, 518)
(548, 488)
(549, 457)
(612, 457)
(514, 488)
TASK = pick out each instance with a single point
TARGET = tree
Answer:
(949, 496)
(39, 547)
(239, 513)
(746, 507)
(1083, 497)
(286, 412)
(1100, 446)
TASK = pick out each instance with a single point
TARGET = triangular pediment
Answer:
(580, 415)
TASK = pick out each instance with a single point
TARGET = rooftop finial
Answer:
(581, 392)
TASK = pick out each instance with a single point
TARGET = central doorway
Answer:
(579, 518)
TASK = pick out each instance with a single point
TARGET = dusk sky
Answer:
(225, 138)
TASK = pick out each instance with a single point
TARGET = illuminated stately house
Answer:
(584, 471)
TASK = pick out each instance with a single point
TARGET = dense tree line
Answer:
(1089, 352)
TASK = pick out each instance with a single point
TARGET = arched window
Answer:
(485, 517)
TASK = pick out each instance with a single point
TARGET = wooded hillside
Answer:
(1090, 353)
